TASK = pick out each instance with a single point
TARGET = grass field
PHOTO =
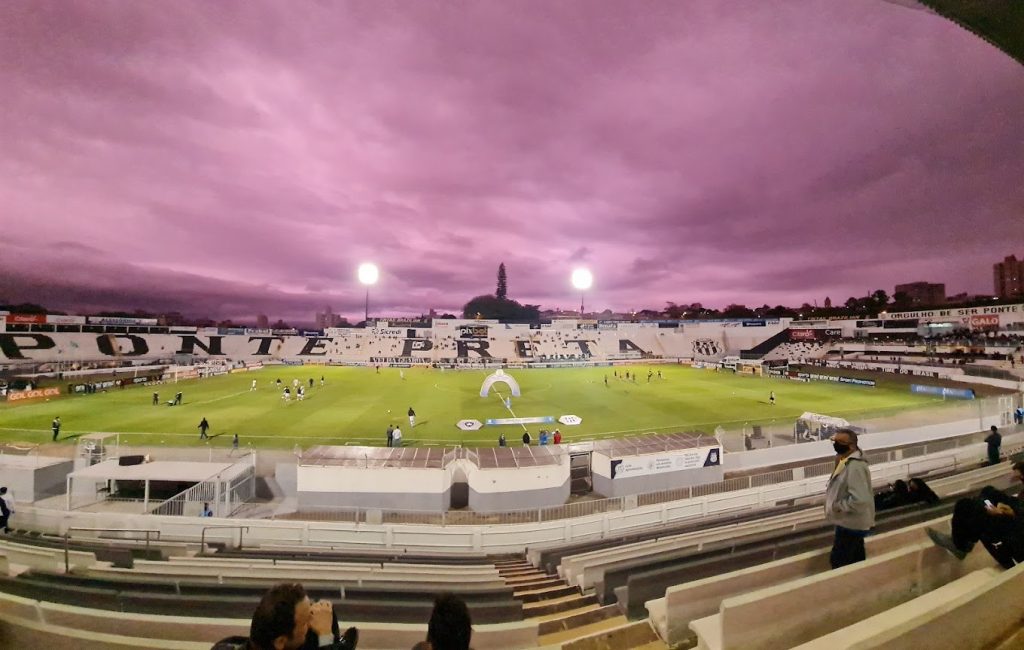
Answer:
(356, 405)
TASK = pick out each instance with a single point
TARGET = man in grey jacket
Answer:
(849, 500)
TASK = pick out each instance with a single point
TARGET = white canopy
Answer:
(820, 419)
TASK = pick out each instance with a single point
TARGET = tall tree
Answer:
(502, 292)
(879, 298)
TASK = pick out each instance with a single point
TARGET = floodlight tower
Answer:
(368, 274)
(582, 279)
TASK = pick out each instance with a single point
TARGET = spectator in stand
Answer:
(1018, 415)
(849, 500)
(285, 619)
(5, 511)
(994, 518)
(920, 492)
(897, 495)
(994, 441)
(904, 493)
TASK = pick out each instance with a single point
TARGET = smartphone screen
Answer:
(988, 504)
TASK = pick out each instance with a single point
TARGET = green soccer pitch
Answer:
(356, 405)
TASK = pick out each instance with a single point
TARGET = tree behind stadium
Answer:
(498, 306)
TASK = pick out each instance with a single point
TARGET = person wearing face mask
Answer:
(849, 500)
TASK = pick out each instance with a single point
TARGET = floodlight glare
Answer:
(582, 279)
(368, 273)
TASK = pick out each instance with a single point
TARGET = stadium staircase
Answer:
(567, 618)
(765, 346)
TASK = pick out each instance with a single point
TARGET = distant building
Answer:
(1008, 276)
(963, 298)
(262, 322)
(328, 319)
(922, 294)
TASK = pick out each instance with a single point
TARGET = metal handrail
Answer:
(240, 529)
(67, 538)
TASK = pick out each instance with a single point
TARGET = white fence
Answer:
(511, 537)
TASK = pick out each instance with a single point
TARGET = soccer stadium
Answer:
(811, 478)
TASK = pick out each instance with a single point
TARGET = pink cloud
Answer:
(685, 151)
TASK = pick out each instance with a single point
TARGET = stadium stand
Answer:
(716, 568)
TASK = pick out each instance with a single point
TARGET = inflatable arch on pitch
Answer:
(499, 376)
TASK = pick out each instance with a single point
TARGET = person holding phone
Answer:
(994, 518)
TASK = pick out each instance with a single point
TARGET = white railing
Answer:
(623, 504)
(441, 534)
(222, 501)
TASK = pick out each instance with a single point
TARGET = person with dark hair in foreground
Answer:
(450, 627)
(285, 619)
(994, 518)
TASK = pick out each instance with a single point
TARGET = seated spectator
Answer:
(450, 627)
(920, 492)
(994, 518)
(897, 495)
(285, 619)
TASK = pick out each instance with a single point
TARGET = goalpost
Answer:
(753, 367)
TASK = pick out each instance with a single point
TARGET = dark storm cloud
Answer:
(242, 158)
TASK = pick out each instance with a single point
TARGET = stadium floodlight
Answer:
(582, 279)
(368, 274)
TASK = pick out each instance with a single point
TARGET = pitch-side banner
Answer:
(37, 393)
(673, 461)
(545, 419)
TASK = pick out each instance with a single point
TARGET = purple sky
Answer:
(232, 158)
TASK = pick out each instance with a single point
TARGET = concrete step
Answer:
(532, 575)
(625, 635)
(512, 573)
(653, 645)
(514, 560)
(535, 584)
(544, 593)
(585, 631)
(506, 557)
(577, 618)
(555, 605)
(571, 612)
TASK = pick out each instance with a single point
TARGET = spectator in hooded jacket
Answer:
(849, 500)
